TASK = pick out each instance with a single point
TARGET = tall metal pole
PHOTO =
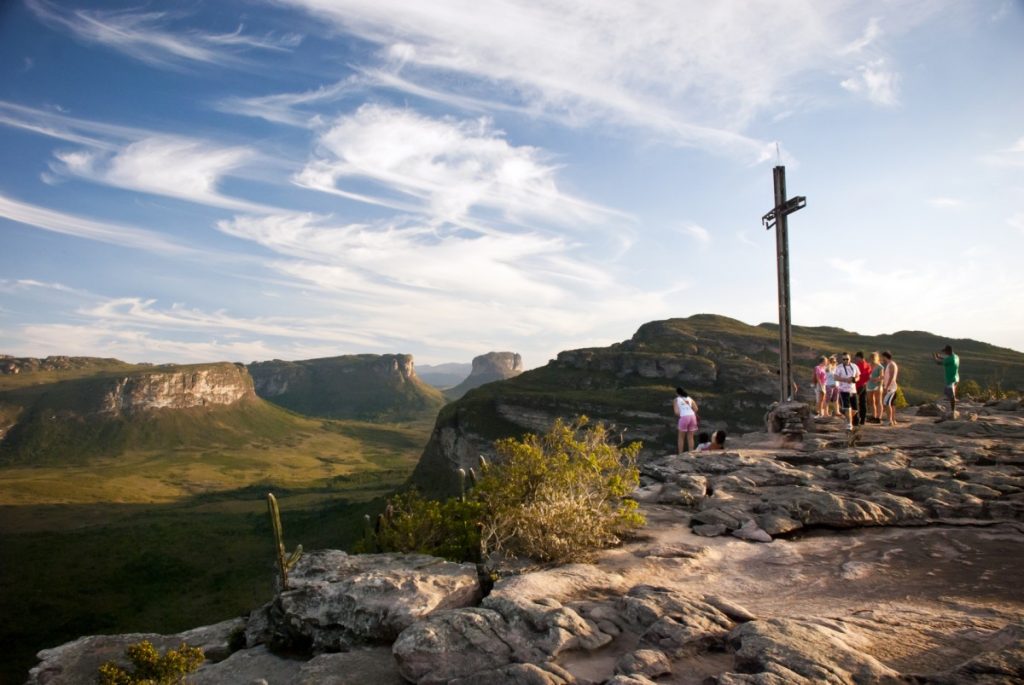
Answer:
(782, 255)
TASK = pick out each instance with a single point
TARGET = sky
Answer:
(249, 180)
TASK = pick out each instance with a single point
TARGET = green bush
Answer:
(900, 400)
(150, 668)
(556, 497)
(411, 523)
(971, 389)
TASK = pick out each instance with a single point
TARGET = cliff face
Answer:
(493, 366)
(351, 386)
(220, 384)
(71, 418)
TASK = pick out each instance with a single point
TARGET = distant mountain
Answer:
(443, 376)
(487, 368)
(728, 366)
(363, 386)
(102, 407)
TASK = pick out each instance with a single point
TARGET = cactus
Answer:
(472, 477)
(484, 464)
(462, 484)
(285, 562)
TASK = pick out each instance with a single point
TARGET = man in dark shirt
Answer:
(862, 380)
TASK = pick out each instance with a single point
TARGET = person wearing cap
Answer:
(846, 381)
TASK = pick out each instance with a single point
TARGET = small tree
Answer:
(150, 668)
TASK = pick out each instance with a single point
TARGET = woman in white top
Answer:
(686, 409)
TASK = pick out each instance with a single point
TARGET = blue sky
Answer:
(190, 181)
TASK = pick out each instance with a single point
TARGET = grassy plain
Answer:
(160, 540)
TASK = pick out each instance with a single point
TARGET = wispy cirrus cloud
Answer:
(696, 232)
(182, 168)
(79, 227)
(148, 36)
(446, 168)
(947, 203)
(876, 81)
(685, 74)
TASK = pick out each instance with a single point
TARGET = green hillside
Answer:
(363, 386)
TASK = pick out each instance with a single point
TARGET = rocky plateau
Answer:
(889, 556)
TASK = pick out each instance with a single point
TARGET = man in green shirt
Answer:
(951, 366)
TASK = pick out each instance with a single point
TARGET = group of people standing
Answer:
(847, 386)
(860, 389)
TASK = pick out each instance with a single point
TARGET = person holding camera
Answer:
(950, 364)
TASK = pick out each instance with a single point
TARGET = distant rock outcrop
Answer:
(729, 367)
(493, 366)
(174, 388)
(363, 386)
(55, 413)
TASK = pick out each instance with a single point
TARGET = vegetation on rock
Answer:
(150, 668)
(557, 497)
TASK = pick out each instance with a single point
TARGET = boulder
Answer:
(750, 531)
(673, 623)
(647, 662)
(78, 661)
(473, 644)
(336, 600)
(815, 652)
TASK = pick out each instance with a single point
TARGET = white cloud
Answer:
(172, 166)
(698, 233)
(946, 203)
(389, 261)
(875, 81)
(79, 227)
(145, 35)
(871, 34)
(447, 168)
(689, 74)
(1017, 221)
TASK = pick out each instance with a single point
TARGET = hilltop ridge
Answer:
(730, 367)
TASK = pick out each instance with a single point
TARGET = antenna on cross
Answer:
(778, 154)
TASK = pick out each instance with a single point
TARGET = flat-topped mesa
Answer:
(348, 386)
(487, 368)
(177, 388)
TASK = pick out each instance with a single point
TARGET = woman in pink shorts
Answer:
(686, 409)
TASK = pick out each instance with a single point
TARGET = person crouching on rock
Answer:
(686, 409)
(718, 440)
(703, 442)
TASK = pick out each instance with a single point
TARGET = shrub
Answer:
(411, 523)
(970, 388)
(900, 400)
(556, 497)
(560, 496)
(150, 668)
